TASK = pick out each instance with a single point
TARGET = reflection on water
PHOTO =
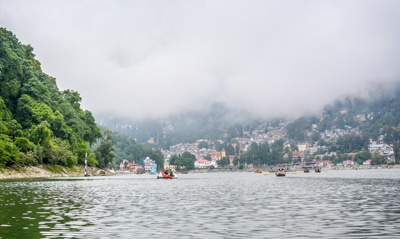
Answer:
(334, 204)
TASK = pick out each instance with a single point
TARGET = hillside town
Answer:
(307, 153)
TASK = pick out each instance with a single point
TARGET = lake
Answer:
(330, 204)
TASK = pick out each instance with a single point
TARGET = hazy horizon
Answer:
(138, 59)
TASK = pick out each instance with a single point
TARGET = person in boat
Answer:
(279, 170)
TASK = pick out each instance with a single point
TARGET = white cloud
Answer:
(154, 58)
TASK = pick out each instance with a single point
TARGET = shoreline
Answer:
(50, 171)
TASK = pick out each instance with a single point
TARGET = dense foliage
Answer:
(366, 119)
(126, 148)
(214, 123)
(39, 124)
(184, 161)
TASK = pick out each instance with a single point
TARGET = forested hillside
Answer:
(216, 122)
(39, 124)
(374, 118)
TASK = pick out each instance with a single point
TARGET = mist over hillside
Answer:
(218, 121)
(212, 122)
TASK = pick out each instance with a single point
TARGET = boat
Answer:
(317, 170)
(306, 170)
(258, 171)
(167, 174)
(280, 173)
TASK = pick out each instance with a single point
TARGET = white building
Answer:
(148, 163)
(202, 163)
(376, 147)
(367, 162)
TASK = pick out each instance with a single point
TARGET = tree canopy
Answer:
(38, 122)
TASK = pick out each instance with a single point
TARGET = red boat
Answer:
(164, 174)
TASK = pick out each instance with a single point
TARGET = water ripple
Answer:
(338, 204)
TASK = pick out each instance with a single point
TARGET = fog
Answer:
(148, 58)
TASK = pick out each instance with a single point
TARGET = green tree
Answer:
(187, 163)
(42, 124)
(362, 156)
(73, 98)
(181, 162)
(351, 143)
(189, 155)
(41, 134)
(8, 152)
(24, 145)
(297, 129)
(377, 159)
(91, 131)
(223, 162)
(218, 146)
(203, 144)
(237, 149)
(276, 156)
(104, 153)
(59, 153)
(82, 148)
(158, 157)
(396, 149)
(391, 134)
(236, 161)
(230, 150)
(315, 137)
(175, 160)
(36, 90)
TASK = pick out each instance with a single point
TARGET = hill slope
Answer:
(38, 123)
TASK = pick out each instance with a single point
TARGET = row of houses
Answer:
(133, 166)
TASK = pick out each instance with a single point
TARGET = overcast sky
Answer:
(154, 58)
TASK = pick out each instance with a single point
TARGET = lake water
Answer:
(330, 204)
